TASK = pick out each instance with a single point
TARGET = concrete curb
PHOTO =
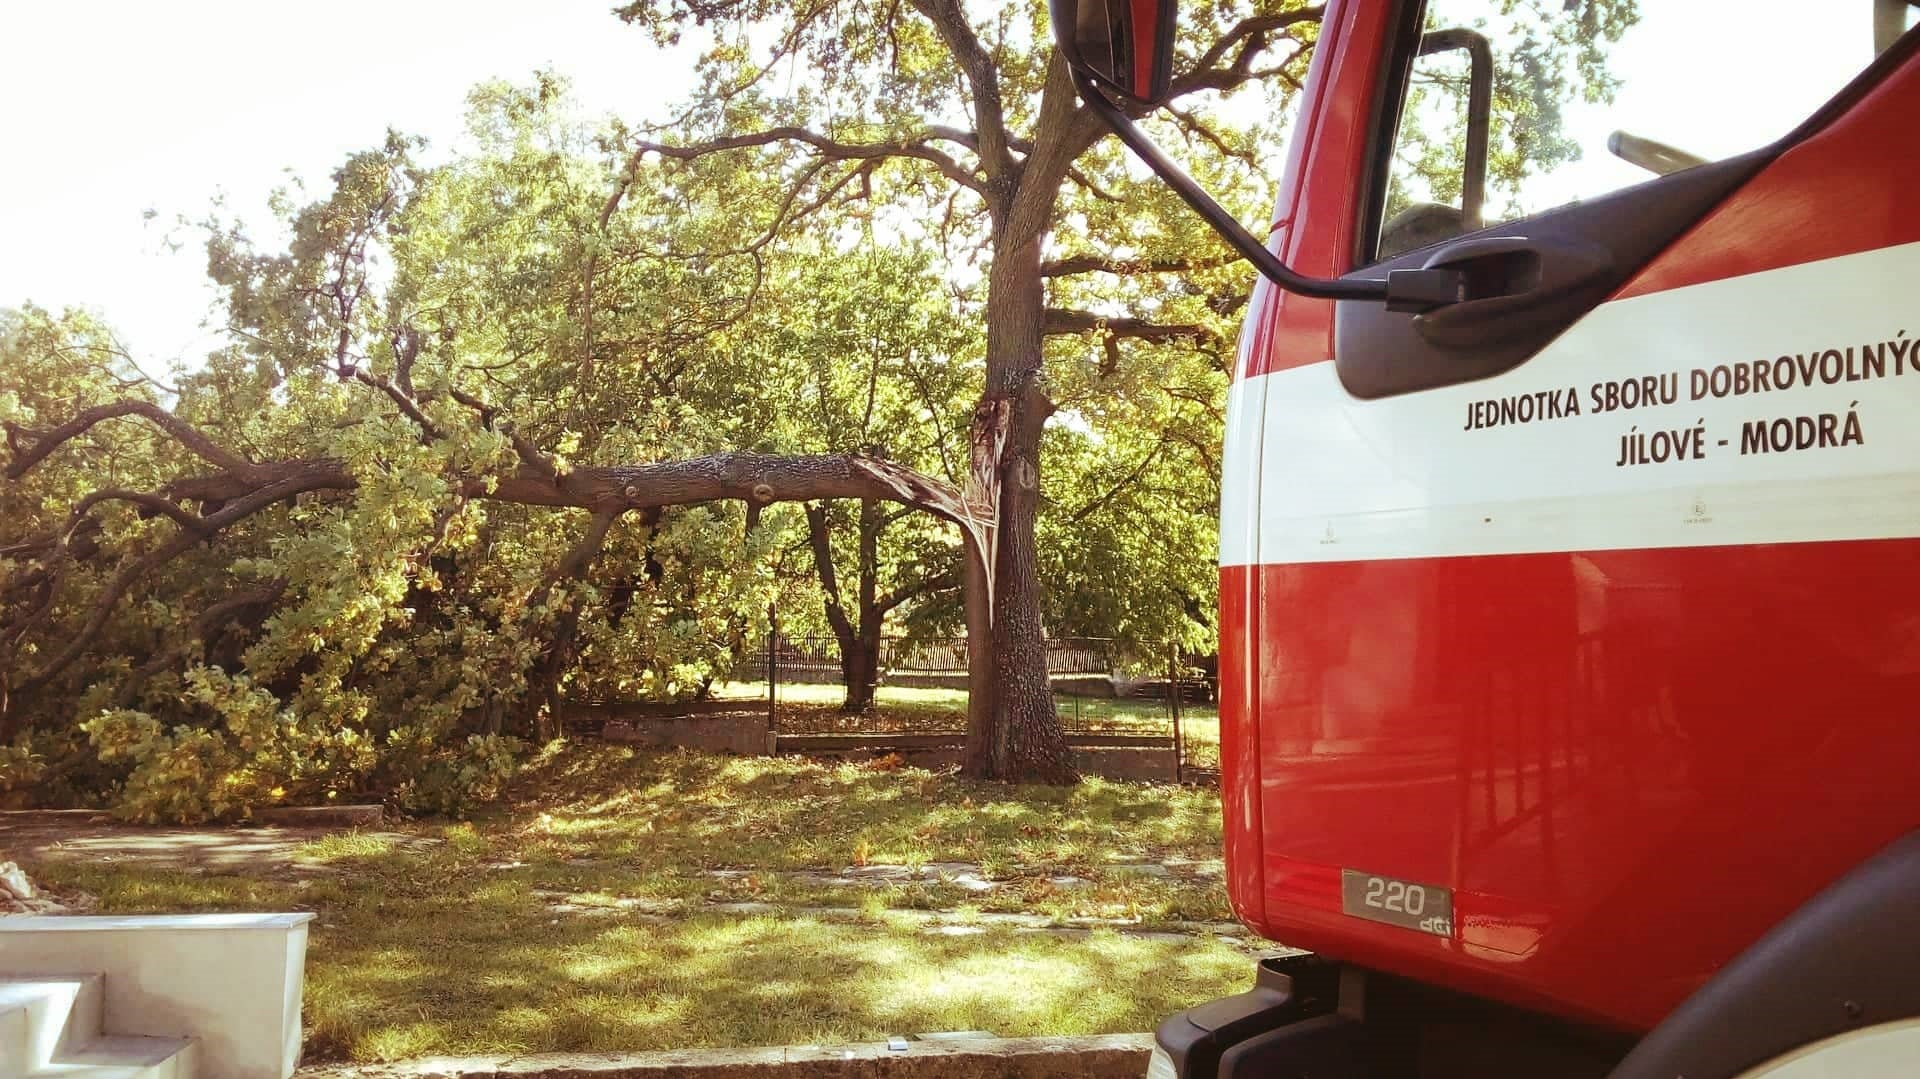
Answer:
(340, 816)
(1100, 1056)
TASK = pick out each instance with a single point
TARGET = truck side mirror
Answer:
(1126, 46)
(1891, 18)
(1121, 55)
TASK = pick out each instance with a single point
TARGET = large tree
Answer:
(892, 385)
(976, 109)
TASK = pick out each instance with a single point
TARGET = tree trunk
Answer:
(986, 739)
(859, 660)
(863, 674)
(860, 664)
(537, 714)
(1021, 738)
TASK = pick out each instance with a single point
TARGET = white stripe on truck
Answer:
(1784, 407)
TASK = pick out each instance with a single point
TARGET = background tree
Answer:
(881, 340)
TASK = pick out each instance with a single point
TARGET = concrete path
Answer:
(64, 835)
(946, 923)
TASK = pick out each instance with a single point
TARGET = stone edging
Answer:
(1087, 1057)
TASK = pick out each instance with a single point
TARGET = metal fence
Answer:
(1095, 701)
(801, 656)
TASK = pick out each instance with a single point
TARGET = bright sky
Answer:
(115, 107)
(1712, 77)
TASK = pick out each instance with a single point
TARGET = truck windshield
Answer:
(1590, 96)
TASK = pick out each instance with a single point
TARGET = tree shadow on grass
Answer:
(784, 813)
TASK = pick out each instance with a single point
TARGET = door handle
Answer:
(1509, 285)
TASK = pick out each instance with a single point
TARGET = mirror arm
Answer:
(1402, 290)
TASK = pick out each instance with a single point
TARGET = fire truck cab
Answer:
(1570, 541)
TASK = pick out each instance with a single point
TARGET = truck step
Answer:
(122, 1056)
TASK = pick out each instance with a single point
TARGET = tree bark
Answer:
(863, 671)
(859, 642)
(538, 714)
(858, 635)
(1022, 739)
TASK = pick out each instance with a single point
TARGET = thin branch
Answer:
(1060, 320)
(149, 501)
(1246, 40)
(1093, 504)
(31, 447)
(819, 539)
(787, 214)
(130, 574)
(406, 351)
(407, 405)
(989, 117)
(211, 622)
(1079, 264)
(970, 140)
(1194, 125)
(935, 583)
(941, 435)
(574, 563)
(1088, 185)
(120, 352)
(914, 148)
(1208, 406)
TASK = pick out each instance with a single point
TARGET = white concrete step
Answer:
(44, 1016)
(232, 982)
(121, 1056)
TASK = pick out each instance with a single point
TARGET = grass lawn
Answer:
(454, 945)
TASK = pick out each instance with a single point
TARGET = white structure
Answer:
(203, 996)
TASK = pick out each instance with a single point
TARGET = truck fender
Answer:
(1844, 963)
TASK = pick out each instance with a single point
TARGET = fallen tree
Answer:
(204, 505)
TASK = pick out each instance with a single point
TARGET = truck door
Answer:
(1588, 599)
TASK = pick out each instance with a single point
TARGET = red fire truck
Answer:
(1570, 545)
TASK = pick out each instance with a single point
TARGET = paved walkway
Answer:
(65, 835)
(966, 875)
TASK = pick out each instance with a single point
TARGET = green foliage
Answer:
(1546, 55)
(22, 767)
(251, 752)
(402, 640)
(451, 780)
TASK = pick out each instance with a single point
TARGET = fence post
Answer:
(1173, 700)
(773, 678)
